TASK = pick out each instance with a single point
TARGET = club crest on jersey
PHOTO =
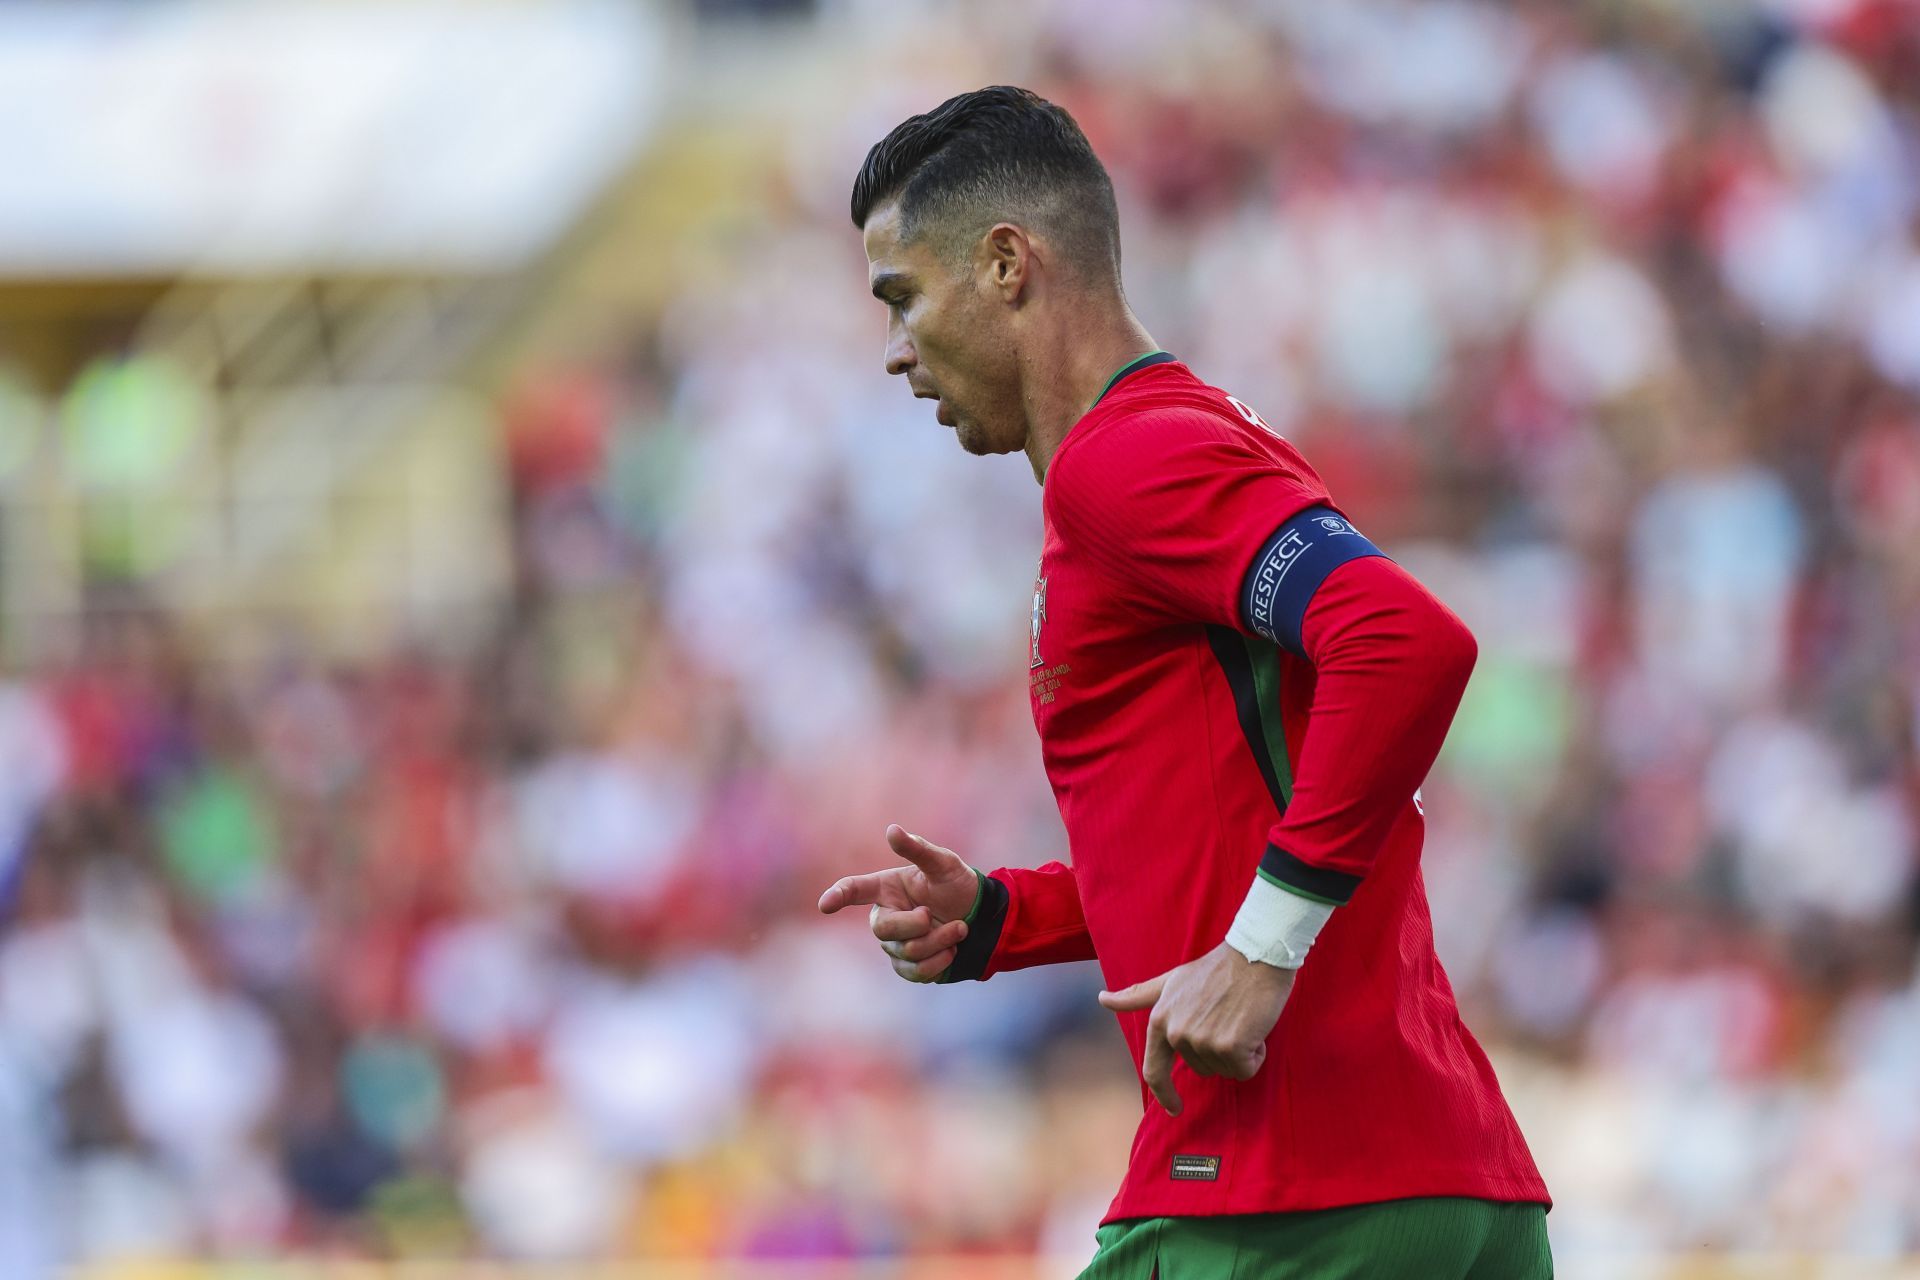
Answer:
(1039, 616)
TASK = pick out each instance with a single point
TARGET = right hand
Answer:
(918, 911)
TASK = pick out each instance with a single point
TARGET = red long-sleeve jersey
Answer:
(1228, 680)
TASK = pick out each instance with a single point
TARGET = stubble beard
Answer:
(973, 439)
(980, 440)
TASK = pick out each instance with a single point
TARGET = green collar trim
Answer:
(1138, 362)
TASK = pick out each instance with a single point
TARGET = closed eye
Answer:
(891, 289)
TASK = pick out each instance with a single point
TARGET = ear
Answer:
(1010, 259)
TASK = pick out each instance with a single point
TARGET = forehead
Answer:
(886, 252)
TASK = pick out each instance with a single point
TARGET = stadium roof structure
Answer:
(210, 140)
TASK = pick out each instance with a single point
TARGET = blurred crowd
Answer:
(1606, 321)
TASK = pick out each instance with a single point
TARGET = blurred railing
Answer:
(334, 467)
(315, 378)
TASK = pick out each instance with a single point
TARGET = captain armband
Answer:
(1291, 566)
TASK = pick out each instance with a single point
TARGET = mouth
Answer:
(940, 414)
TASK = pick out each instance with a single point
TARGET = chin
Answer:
(977, 441)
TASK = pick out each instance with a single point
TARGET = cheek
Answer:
(960, 340)
(928, 335)
(951, 321)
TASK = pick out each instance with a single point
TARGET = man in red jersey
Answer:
(1237, 696)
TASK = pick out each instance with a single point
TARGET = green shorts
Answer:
(1433, 1238)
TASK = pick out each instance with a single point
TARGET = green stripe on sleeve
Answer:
(1264, 658)
(1277, 882)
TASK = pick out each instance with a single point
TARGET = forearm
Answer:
(1390, 664)
(1025, 916)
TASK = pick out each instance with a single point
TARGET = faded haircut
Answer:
(992, 155)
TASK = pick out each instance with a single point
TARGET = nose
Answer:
(901, 357)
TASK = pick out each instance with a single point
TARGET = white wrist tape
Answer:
(1276, 927)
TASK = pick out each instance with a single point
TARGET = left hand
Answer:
(1216, 1012)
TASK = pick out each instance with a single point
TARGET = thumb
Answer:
(1141, 995)
(932, 860)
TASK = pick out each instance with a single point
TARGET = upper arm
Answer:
(1378, 605)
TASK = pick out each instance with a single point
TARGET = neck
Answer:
(1061, 378)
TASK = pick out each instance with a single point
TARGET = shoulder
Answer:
(1188, 440)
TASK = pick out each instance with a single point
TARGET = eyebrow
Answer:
(885, 281)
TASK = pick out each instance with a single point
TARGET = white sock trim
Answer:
(1276, 927)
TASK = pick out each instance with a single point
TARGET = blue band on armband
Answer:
(1290, 568)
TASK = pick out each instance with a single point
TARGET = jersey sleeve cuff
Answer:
(979, 896)
(984, 923)
(1320, 884)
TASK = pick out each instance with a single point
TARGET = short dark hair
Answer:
(993, 153)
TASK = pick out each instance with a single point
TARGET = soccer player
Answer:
(1237, 696)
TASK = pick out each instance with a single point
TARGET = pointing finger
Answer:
(858, 891)
(1141, 995)
(1156, 1067)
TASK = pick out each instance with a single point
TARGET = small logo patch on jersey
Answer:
(1196, 1169)
(1039, 616)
